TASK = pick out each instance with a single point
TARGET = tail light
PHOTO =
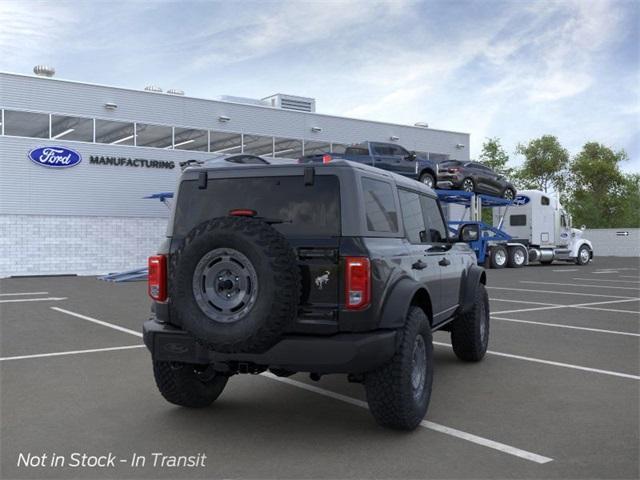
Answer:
(326, 158)
(454, 170)
(157, 279)
(242, 212)
(357, 282)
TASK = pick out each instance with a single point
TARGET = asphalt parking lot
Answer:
(556, 397)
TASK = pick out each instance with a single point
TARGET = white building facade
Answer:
(77, 160)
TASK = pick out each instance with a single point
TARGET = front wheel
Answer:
(584, 255)
(428, 180)
(398, 393)
(188, 385)
(509, 194)
(470, 331)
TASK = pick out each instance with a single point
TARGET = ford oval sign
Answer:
(521, 200)
(55, 157)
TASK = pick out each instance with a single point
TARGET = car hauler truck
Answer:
(538, 221)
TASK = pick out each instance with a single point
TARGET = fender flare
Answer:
(580, 243)
(475, 276)
(399, 299)
(430, 171)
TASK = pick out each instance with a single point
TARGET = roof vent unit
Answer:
(44, 71)
(291, 102)
(175, 91)
(153, 88)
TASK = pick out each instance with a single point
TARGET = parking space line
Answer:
(572, 327)
(525, 301)
(586, 306)
(628, 276)
(581, 285)
(485, 442)
(567, 270)
(99, 322)
(605, 280)
(556, 364)
(20, 300)
(23, 293)
(535, 309)
(71, 352)
(559, 293)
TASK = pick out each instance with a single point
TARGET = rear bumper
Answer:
(341, 353)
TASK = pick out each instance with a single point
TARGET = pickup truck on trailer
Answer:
(329, 268)
(387, 156)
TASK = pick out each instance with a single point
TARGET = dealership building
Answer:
(77, 160)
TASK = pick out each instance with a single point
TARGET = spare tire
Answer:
(234, 284)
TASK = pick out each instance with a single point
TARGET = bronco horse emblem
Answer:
(322, 280)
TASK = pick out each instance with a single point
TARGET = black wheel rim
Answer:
(225, 285)
(467, 185)
(418, 367)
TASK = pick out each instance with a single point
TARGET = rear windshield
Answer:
(450, 163)
(305, 210)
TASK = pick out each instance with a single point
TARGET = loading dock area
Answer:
(556, 397)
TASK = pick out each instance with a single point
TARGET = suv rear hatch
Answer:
(306, 213)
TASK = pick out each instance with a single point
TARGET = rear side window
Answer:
(380, 208)
(303, 210)
(544, 201)
(357, 151)
(433, 220)
(518, 220)
(412, 216)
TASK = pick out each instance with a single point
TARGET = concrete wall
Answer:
(49, 245)
(607, 242)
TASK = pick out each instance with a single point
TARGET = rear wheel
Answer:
(428, 180)
(188, 385)
(398, 393)
(509, 194)
(468, 185)
(517, 257)
(470, 331)
(498, 256)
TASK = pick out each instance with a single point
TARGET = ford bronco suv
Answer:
(321, 268)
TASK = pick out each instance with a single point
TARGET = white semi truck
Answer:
(538, 221)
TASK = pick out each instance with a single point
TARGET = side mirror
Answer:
(583, 228)
(469, 233)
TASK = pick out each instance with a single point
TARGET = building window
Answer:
(315, 148)
(26, 124)
(258, 145)
(287, 148)
(157, 136)
(338, 148)
(190, 139)
(71, 128)
(225, 143)
(380, 208)
(114, 133)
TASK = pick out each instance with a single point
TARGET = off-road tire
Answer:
(512, 261)
(181, 384)
(427, 176)
(278, 289)
(389, 389)
(468, 339)
(494, 256)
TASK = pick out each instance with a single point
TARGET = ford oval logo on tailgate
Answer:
(55, 157)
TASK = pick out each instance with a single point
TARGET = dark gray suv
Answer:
(329, 268)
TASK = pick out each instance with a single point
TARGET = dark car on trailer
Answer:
(474, 177)
(330, 268)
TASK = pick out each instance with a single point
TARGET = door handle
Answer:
(444, 262)
(419, 265)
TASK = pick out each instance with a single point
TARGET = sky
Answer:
(509, 69)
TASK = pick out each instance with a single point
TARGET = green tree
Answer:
(600, 195)
(494, 156)
(545, 164)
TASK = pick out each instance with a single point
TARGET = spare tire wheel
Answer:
(235, 284)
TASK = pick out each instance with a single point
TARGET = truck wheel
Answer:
(498, 256)
(584, 255)
(398, 393)
(234, 284)
(517, 257)
(428, 180)
(187, 385)
(470, 331)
